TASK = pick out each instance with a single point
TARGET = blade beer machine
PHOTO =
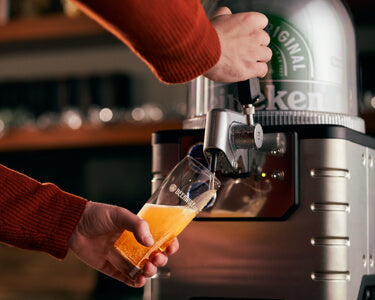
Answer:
(294, 218)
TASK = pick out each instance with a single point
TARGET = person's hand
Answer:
(97, 231)
(244, 51)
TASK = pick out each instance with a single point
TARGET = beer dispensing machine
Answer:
(294, 218)
(233, 134)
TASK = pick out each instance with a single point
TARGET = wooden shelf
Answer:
(53, 26)
(124, 134)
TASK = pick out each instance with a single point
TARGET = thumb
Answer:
(142, 233)
(221, 11)
(124, 219)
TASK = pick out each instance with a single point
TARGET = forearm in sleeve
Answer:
(174, 37)
(36, 216)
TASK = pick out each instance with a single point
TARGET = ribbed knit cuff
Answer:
(67, 212)
(187, 64)
(37, 216)
(186, 46)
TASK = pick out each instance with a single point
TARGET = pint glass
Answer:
(187, 189)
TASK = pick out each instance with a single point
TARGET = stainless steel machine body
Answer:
(318, 246)
(294, 218)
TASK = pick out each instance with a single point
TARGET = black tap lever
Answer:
(248, 91)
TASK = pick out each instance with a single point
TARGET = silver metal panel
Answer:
(320, 252)
(345, 185)
(368, 160)
(164, 158)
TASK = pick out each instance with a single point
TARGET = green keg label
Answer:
(295, 81)
(291, 83)
(292, 57)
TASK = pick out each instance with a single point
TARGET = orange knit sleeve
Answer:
(174, 37)
(36, 216)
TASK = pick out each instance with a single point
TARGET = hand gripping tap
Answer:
(230, 136)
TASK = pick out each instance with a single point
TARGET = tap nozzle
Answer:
(213, 161)
(249, 110)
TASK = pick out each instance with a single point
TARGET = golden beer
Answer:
(165, 223)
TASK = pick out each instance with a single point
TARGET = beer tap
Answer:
(248, 95)
(230, 135)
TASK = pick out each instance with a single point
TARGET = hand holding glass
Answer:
(187, 189)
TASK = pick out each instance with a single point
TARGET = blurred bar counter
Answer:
(35, 276)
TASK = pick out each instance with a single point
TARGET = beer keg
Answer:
(312, 77)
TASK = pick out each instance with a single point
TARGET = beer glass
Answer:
(187, 189)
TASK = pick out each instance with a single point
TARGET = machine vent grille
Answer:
(278, 118)
(288, 117)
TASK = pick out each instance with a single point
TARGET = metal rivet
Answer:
(371, 260)
(278, 175)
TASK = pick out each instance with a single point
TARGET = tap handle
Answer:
(248, 91)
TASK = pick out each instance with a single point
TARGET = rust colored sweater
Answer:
(36, 216)
(177, 41)
(174, 37)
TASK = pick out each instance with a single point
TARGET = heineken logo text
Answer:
(294, 99)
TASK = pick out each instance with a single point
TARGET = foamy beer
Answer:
(188, 188)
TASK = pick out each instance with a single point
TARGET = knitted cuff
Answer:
(66, 213)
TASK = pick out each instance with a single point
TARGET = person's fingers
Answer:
(242, 38)
(160, 260)
(261, 69)
(267, 39)
(256, 19)
(264, 54)
(112, 271)
(121, 264)
(142, 233)
(221, 11)
(137, 283)
(140, 281)
(173, 247)
(262, 37)
(123, 268)
(124, 219)
(149, 269)
(118, 268)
